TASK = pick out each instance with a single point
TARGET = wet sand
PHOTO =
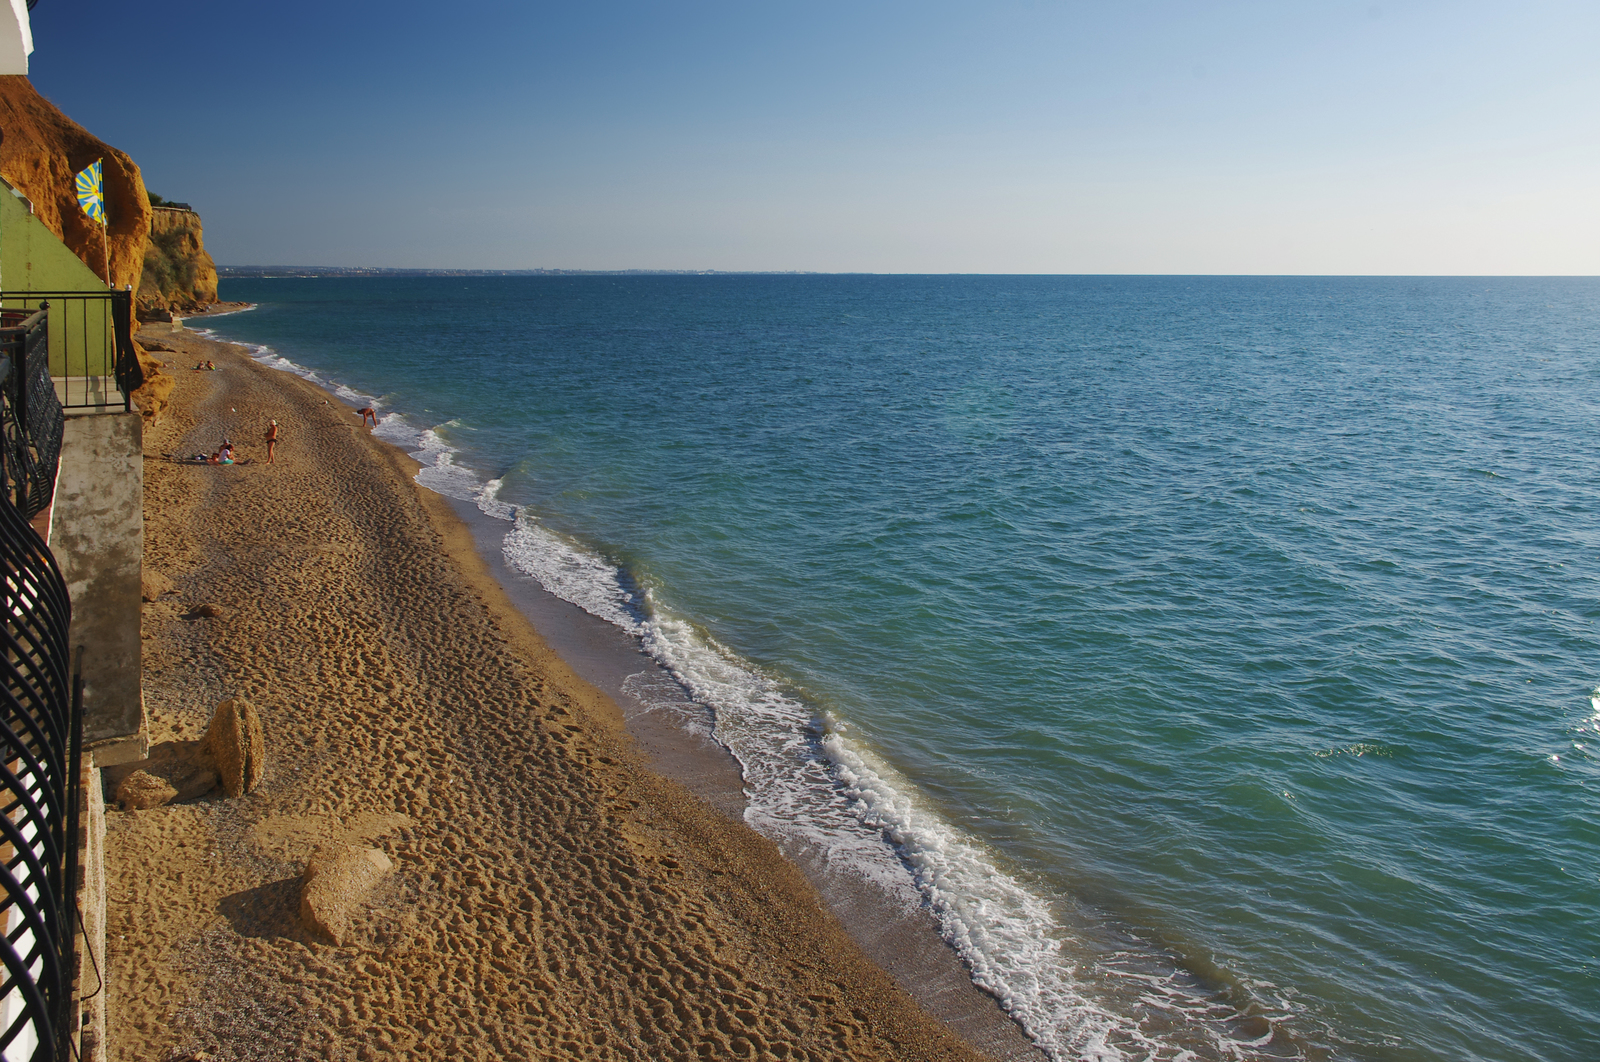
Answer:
(557, 893)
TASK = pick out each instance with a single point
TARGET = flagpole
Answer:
(105, 223)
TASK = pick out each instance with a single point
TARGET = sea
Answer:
(1214, 658)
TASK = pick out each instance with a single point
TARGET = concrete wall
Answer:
(89, 1018)
(97, 536)
(32, 258)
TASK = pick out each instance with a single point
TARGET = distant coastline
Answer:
(286, 272)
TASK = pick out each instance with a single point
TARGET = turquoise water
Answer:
(1215, 656)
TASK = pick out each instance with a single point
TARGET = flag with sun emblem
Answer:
(91, 193)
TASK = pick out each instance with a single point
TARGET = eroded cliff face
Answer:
(41, 154)
(179, 276)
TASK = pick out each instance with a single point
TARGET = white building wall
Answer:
(16, 38)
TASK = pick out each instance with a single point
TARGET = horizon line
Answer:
(302, 271)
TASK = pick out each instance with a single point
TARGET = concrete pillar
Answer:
(97, 536)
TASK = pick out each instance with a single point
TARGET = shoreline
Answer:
(673, 731)
(766, 903)
(893, 925)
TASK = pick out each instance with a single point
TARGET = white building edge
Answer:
(16, 39)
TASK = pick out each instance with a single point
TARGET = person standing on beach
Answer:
(272, 441)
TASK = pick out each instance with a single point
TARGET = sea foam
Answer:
(812, 788)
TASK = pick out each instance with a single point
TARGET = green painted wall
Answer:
(33, 259)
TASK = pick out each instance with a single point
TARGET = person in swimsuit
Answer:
(366, 414)
(272, 441)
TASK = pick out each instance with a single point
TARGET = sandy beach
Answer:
(553, 897)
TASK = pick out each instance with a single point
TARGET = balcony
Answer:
(92, 361)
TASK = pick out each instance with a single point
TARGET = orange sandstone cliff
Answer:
(179, 276)
(41, 154)
(158, 252)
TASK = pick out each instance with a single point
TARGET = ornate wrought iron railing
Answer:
(41, 738)
(31, 421)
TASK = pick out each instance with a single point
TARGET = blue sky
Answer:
(1029, 137)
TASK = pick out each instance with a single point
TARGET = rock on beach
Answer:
(337, 881)
(176, 771)
(142, 790)
(152, 584)
(234, 739)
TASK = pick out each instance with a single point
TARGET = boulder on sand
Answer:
(142, 790)
(176, 771)
(337, 881)
(152, 584)
(233, 752)
(235, 741)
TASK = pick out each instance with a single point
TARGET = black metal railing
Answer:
(31, 421)
(91, 343)
(41, 740)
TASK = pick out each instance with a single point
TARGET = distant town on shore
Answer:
(281, 271)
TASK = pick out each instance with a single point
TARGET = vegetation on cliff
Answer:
(179, 276)
(169, 262)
